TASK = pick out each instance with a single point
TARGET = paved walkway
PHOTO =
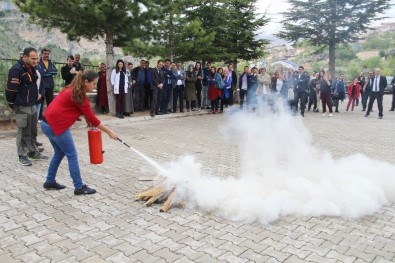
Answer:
(56, 226)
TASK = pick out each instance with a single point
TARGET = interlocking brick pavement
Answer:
(56, 226)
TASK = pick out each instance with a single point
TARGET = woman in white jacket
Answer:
(263, 86)
(119, 82)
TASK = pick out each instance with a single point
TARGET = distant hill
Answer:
(16, 33)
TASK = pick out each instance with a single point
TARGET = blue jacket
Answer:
(47, 74)
(338, 89)
(227, 87)
(302, 82)
(206, 73)
(21, 86)
(252, 81)
(169, 76)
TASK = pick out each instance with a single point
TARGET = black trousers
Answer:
(48, 97)
(300, 96)
(365, 97)
(373, 97)
(139, 94)
(243, 93)
(156, 99)
(178, 93)
(312, 100)
(393, 101)
(199, 95)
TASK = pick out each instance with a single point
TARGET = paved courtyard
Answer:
(56, 226)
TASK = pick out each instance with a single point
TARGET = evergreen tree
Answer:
(328, 23)
(116, 21)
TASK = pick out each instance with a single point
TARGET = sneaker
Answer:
(380, 117)
(53, 186)
(85, 190)
(24, 161)
(37, 156)
(323, 115)
(330, 115)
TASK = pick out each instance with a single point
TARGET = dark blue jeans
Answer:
(365, 97)
(166, 92)
(178, 93)
(63, 145)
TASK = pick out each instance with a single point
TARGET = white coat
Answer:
(115, 81)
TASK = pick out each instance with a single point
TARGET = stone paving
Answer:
(56, 226)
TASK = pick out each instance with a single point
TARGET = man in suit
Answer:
(139, 79)
(300, 90)
(178, 91)
(379, 84)
(157, 81)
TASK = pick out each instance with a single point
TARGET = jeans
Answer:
(178, 93)
(205, 100)
(165, 98)
(62, 145)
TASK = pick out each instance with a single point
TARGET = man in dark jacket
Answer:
(139, 79)
(234, 83)
(300, 90)
(47, 71)
(68, 71)
(157, 84)
(21, 96)
(379, 84)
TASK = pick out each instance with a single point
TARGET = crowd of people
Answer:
(165, 88)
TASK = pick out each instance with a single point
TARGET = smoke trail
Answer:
(281, 174)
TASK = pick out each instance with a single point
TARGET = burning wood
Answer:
(158, 194)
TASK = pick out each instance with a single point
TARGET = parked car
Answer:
(388, 89)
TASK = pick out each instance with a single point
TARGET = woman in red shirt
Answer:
(354, 90)
(60, 115)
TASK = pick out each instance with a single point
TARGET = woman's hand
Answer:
(112, 135)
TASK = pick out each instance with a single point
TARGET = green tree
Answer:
(328, 23)
(172, 33)
(240, 34)
(116, 21)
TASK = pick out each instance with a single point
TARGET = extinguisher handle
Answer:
(123, 142)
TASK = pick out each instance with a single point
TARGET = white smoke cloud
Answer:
(281, 174)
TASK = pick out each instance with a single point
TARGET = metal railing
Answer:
(7, 63)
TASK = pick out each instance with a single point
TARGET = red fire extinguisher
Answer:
(95, 146)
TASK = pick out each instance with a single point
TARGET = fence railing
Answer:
(7, 63)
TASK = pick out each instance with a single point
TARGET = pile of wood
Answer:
(158, 194)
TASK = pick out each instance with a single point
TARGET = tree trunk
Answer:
(109, 62)
(171, 36)
(332, 59)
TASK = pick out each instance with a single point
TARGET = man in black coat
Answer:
(68, 71)
(379, 84)
(157, 80)
(300, 90)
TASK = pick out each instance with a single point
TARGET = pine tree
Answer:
(116, 21)
(328, 23)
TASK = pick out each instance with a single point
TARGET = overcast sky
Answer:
(275, 7)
